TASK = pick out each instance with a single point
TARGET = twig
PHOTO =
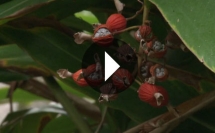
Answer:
(124, 30)
(102, 120)
(135, 15)
(169, 120)
(12, 88)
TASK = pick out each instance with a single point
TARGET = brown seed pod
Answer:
(92, 76)
(122, 79)
(154, 48)
(144, 32)
(173, 41)
(102, 35)
(116, 22)
(156, 96)
(126, 54)
(159, 72)
(108, 92)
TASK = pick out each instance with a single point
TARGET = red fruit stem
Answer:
(124, 30)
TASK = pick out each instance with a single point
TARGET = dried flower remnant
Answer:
(102, 35)
(80, 37)
(119, 5)
(156, 96)
(108, 93)
(77, 76)
(122, 79)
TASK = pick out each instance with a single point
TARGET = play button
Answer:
(110, 70)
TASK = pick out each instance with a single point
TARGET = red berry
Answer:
(122, 79)
(154, 95)
(116, 22)
(102, 35)
(80, 82)
(92, 76)
(144, 32)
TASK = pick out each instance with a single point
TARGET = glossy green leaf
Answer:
(193, 22)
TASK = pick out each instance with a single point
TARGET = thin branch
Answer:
(135, 15)
(12, 88)
(102, 120)
(124, 30)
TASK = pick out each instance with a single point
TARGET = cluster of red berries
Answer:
(104, 35)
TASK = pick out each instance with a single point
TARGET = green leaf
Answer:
(61, 124)
(29, 121)
(13, 6)
(56, 50)
(20, 96)
(13, 58)
(7, 76)
(193, 22)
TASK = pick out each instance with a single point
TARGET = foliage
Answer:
(36, 39)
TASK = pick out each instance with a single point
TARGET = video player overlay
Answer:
(93, 68)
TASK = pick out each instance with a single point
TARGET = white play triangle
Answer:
(110, 66)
